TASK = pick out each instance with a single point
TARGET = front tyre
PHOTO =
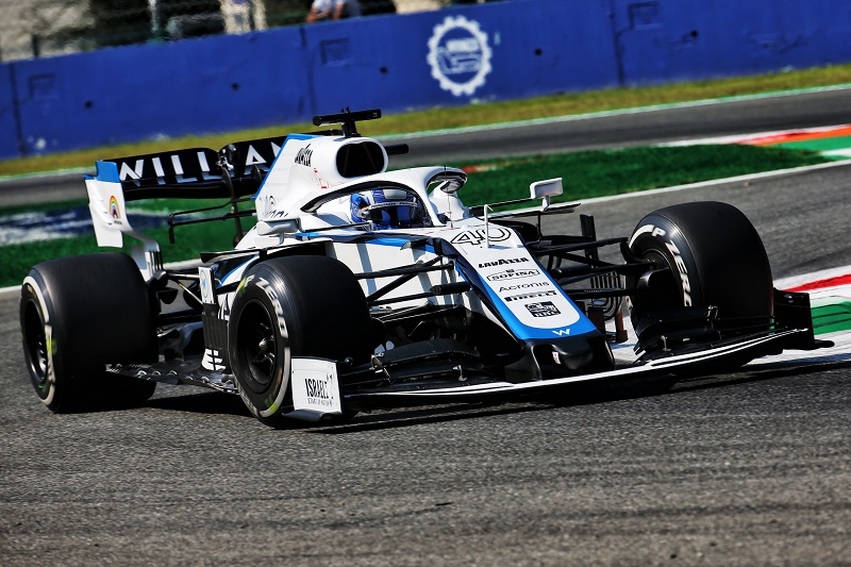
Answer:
(78, 314)
(298, 306)
(704, 254)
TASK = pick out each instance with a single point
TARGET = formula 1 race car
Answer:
(359, 288)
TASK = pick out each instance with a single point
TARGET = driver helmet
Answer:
(387, 208)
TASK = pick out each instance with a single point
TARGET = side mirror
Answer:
(451, 186)
(283, 226)
(546, 188)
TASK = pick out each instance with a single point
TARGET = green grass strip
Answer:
(611, 172)
(586, 175)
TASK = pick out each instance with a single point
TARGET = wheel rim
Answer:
(35, 340)
(258, 346)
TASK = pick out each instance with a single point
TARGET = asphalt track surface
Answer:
(618, 129)
(750, 468)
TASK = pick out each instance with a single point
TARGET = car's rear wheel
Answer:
(77, 315)
(298, 306)
(705, 254)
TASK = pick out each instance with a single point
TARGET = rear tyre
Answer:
(289, 307)
(707, 254)
(77, 315)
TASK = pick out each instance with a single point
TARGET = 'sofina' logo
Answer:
(459, 55)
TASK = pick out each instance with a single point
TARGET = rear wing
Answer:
(233, 172)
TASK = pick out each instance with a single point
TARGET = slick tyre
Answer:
(78, 314)
(715, 256)
(289, 307)
(708, 254)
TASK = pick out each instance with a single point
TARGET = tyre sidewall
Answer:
(657, 237)
(262, 289)
(52, 389)
(715, 254)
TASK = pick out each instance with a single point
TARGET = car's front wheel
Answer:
(298, 306)
(704, 254)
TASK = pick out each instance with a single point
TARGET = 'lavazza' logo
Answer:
(503, 262)
(459, 55)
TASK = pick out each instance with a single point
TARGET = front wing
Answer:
(699, 362)
(687, 363)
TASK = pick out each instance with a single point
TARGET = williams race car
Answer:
(359, 287)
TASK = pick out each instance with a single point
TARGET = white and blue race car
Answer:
(359, 287)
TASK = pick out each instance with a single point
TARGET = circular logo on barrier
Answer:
(459, 55)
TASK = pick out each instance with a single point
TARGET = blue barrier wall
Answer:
(665, 40)
(126, 94)
(10, 135)
(385, 62)
(454, 56)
